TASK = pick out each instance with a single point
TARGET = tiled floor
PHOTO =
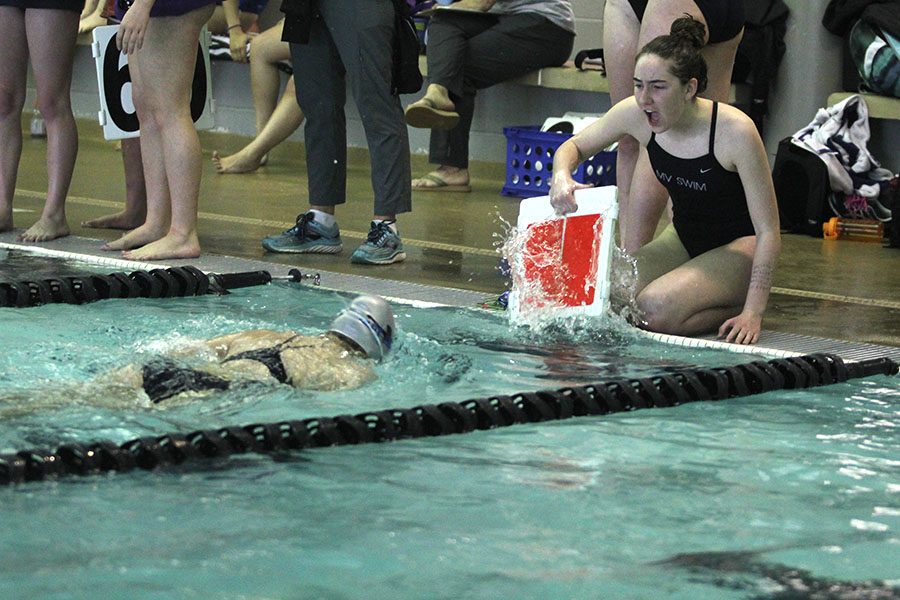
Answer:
(842, 290)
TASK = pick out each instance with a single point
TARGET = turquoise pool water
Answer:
(584, 508)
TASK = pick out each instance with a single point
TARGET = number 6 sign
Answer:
(117, 115)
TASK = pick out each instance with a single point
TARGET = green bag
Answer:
(877, 57)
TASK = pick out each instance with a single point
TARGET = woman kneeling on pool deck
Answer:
(330, 361)
(712, 266)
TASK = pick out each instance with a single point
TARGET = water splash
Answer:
(538, 297)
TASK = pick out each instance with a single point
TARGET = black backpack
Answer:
(760, 52)
(802, 188)
(406, 76)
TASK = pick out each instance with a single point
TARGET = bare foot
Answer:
(44, 230)
(119, 220)
(141, 236)
(171, 246)
(239, 162)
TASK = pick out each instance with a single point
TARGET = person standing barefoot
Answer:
(46, 35)
(160, 39)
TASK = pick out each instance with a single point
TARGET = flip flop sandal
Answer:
(425, 115)
(440, 185)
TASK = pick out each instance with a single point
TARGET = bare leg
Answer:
(621, 30)
(720, 58)
(157, 200)
(645, 206)
(283, 122)
(163, 70)
(135, 211)
(266, 51)
(51, 42)
(13, 74)
(700, 294)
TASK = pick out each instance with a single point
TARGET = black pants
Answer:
(468, 53)
(352, 40)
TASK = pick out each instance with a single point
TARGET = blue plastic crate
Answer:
(529, 162)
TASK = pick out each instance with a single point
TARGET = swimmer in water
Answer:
(333, 360)
(340, 358)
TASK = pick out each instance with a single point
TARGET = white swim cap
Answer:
(369, 323)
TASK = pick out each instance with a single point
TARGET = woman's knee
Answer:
(54, 107)
(657, 312)
(269, 49)
(12, 102)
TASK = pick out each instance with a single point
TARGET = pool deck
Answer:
(836, 296)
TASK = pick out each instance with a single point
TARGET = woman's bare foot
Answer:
(141, 236)
(444, 179)
(171, 246)
(242, 161)
(45, 229)
(119, 220)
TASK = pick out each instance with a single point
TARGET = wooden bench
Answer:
(880, 107)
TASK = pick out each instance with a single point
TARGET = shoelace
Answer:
(857, 206)
(378, 232)
(299, 229)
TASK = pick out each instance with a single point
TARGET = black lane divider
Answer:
(615, 395)
(156, 283)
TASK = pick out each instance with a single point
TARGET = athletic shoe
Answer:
(382, 246)
(863, 207)
(308, 236)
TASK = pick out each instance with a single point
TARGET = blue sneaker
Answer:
(308, 236)
(382, 246)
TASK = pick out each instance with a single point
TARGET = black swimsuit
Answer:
(270, 357)
(163, 378)
(709, 206)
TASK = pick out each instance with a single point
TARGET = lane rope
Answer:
(447, 418)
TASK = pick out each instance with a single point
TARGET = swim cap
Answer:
(369, 323)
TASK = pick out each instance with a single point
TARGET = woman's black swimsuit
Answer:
(270, 357)
(164, 378)
(709, 206)
(724, 18)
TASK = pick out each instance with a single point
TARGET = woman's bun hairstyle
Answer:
(690, 30)
(682, 46)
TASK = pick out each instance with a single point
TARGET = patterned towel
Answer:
(838, 135)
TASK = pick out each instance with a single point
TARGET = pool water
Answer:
(583, 508)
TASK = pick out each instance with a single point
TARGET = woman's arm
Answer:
(237, 39)
(130, 36)
(748, 154)
(623, 118)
